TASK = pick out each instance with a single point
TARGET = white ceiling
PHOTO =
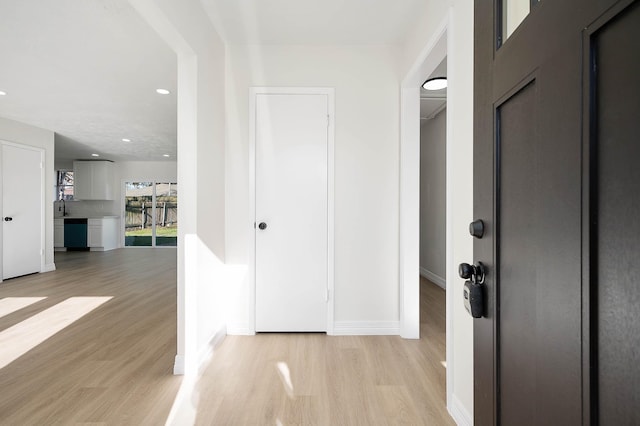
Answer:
(432, 102)
(88, 70)
(315, 22)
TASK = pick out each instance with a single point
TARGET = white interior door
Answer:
(21, 211)
(291, 201)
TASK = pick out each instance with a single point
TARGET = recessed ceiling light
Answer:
(163, 91)
(126, 140)
(95, 155)
(3, 93)
(436, 83)
(165, 155)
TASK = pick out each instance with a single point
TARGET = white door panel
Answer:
(22, 203)
(291, 199)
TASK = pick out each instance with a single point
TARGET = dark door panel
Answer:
(617, 60)
(558, 344)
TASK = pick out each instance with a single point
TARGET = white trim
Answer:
(179, 365)
(434, 278)
(240, 330)
(43, 214)
(49, 267)
(429, 58)
(330, 93)
(366, 328)
(434, 51)
(459, 413)
(207, 351)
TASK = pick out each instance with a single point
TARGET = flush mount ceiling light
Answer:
(436, 83)
(95, 155)
(3, 93)
(126, 140)
(166, 155)
(163, 91)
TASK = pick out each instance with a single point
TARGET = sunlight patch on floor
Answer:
(9, 305)
(285, 376)
(26, 335)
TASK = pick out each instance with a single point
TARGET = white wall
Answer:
(142, 171)
(366, 168)
(13, 131)
(203, 279)
(459, 182)
(433, 198)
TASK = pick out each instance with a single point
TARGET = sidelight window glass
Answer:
(513, 13)
(166, 214)
(138, 220)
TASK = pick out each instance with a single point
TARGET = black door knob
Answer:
(466, 271)
(262, 226)
(476, 228)
(8, 219)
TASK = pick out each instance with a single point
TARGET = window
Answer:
(151, 214)
(64, 185)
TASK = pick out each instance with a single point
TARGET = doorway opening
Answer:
(433, 211)
(150, 214)
(433, 181)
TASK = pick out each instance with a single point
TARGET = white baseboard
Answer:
(366, 328)
(459, 413)
(240, 330)
(59, 249)
(49, 267)
(436, 279)
(206, 352)
(178, 365)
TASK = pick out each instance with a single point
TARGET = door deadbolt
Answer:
(476, 228)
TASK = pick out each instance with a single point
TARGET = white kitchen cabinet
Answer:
(93, 180)
(102, 234)
(58, 233)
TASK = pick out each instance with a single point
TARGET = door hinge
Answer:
(328, 120)
(326, 297)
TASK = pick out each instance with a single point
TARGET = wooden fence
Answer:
(138, 216)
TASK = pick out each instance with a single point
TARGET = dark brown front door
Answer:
(557, 183)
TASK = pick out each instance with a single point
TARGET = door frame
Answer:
(42, 203)
(432, 54)
(330, 93)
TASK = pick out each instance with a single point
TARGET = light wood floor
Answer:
(313, 379)
(113, 366)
